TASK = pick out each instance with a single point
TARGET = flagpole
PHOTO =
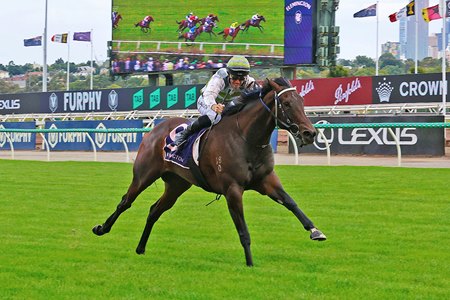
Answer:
(417, 40)
(44, 70)
(376, 52)
(68, 61)
(92, 64)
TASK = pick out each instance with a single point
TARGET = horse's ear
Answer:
(273, 84)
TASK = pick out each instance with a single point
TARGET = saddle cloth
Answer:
(189, 149)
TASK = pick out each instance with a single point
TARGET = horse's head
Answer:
(289, 110)
(262, 18)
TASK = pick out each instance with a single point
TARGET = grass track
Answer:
(387, 228)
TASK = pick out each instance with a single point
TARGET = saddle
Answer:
(187, 156)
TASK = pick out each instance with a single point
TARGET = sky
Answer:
(22, 19)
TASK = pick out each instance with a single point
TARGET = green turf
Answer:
(387, 234)
(165, 28)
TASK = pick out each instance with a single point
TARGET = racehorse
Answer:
(144, 27)
(235, 156)
(189, 36)
(213, 19)
(226, 33)
(184, 24)
(207, 29)
(246, 25)
(116, 21)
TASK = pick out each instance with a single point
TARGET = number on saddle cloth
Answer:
(181, 156)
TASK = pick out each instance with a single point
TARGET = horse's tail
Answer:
(222, 32)
(178, 22)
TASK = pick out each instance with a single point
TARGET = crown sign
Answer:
(384, 90)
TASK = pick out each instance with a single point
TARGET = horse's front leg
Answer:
(235, 207)
(272, 187)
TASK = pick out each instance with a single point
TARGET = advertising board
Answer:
(20, 140)
(103, 141)
(378, 141)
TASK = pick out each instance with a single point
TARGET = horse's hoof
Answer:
(140, 251)
(98, 230)
(317, 235)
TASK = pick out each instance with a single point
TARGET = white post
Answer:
(376, 52)
(68, 61)
(44, 37)
(443, 11)
(92, 64)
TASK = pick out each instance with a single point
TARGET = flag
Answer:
(366, 12)
(36, 41)
(60, 38)
(408, 10)
(431, 13)
(82, 36)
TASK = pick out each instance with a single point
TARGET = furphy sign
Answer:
(20, 140)
(409, 88)
(413, 141)
(103, 141)
(335, 91)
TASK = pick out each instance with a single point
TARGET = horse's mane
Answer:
(249, 95)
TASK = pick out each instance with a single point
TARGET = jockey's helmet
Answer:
(238, 65)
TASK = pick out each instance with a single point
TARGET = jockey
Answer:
(191, 20)
(191, 31)
(233, 28)
(114, 16)
(226, 84)
(189, 15)
(146, 21)
(255, 18)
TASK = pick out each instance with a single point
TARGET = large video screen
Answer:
(173, 35)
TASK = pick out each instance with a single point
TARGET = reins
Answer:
(288, 123)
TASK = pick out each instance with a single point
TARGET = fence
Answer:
(118, 131)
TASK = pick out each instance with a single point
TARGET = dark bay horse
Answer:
(116, 21)
(236, 157)
(226, 33)
(145, 27)
(247, 24)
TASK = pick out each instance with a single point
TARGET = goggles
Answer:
(237, 77)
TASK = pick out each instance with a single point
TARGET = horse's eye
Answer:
(287, 104)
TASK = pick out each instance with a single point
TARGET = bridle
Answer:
(292, 127)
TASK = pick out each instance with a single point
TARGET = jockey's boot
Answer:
(196, 126)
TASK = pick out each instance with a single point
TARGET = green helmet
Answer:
(238, 65)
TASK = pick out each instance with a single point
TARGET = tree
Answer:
(338, 71)
(8, 87)
(387, 59)
(364, 61)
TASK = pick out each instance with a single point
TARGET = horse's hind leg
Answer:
(272, 187)
(175, 186)
(136, 187)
